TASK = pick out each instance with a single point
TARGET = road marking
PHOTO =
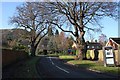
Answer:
(52, 62)
(62, 69)
(94, 70)
(58, 66)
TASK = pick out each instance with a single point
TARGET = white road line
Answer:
(51, 61)
(94, 70)
(62, 69)
(58, 66)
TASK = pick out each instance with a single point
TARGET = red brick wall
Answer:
(10, 56)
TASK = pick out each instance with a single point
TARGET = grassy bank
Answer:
(67, 57)
(27, 69)
(95, 65)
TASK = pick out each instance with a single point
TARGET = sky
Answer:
(8, 10)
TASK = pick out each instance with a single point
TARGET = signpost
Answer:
(109, 56)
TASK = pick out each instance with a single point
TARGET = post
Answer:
(119, 54)
(109, 56)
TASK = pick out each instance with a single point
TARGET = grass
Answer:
(53, 55)
(95, 65)
(87, 64)
(67, 57)
(28, 69)
(56, 54)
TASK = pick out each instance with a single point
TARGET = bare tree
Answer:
(79, 15)
(103, 39)
(32, 16)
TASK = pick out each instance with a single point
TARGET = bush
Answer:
(20, 47)
(40, 52)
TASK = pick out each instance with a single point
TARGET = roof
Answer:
(117, 40)
(93, 43)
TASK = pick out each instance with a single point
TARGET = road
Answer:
(53, 67)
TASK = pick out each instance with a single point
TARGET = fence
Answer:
(10, 56)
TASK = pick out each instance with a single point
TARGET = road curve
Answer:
(52, 67)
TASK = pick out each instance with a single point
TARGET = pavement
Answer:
(54, 68)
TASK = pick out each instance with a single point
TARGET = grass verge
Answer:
(95, 65)
(67, 57)
(27, 69)
(53, 55)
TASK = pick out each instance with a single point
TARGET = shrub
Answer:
(20, 47)
(40, 52)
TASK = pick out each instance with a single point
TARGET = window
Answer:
(92, 46)
(97, 47)
(88, 46)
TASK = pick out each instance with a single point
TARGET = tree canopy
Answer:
(32, 16)
(80, 14)
(38, 17)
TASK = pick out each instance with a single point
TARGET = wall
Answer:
(9, 56)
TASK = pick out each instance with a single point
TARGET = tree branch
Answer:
(61, 28)
(39, 34)
(40, 39)
(89, 28)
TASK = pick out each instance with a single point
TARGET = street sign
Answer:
(109, 56)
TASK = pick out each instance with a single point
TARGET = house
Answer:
(114, 42)
(94, 45)
(90, 45)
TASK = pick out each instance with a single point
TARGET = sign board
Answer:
(109, 52)
(110, 61)
(109, 57)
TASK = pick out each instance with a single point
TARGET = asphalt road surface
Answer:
(53, 67)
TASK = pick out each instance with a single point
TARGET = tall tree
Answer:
(51, 46)
(69, 41)
(50, 32)
(103, 39)
(79, 15)
(31, 16)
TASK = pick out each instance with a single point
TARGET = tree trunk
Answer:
(85, 51)
(79, 55)
(80, 45)
(33, 50)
